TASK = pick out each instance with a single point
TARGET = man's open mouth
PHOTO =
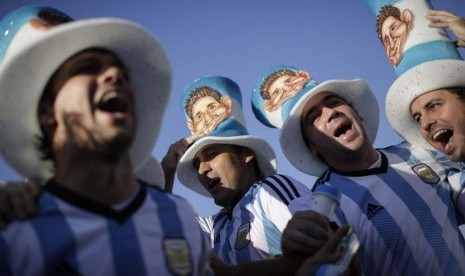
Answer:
(213, 183)
(342, 129)
(442, 136)
(113, 102)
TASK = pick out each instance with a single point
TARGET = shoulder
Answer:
(168, 200)
(282, 187)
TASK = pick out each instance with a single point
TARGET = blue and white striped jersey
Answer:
(253, 232)
(456, 179)
(402, 213)
(155, 234)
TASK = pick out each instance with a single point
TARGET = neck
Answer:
(98, 180)
(248, 182)
(356, 161)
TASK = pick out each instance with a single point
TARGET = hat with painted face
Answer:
(22, 83)
(424, 59)
(212, 106)
(287, 116)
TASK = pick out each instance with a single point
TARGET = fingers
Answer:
(189, 140)
(336, 238)
(176, 151)
(306, 232)
(18, 201)
(441, 15)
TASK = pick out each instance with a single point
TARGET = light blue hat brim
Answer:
(356, 92)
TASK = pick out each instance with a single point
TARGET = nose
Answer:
(207, 118)
(204, 168)
(112, 75)
(427, 122)
(328, 113)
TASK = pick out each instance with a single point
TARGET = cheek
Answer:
(219, 111)
(199, 124)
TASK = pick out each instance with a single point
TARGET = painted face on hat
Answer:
(207, 109)
(35, 27)
(394, 28)
(284, 87)
(93, 108)
(48, 19)
(332, 128)
(441, 117)
(223, 170)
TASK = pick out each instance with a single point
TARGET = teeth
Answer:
(438, 134)
(109, 96)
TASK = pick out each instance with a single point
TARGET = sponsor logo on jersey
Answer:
(177, 256)
(243, 236)
(426, 173)
(373, 210)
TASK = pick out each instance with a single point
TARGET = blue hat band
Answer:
(228, 128)
(429, 51)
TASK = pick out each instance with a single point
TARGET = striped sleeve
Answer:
(277, 192)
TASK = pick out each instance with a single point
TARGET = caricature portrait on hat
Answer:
(427, 60)
(287, 117)
(47, 38)
(212, 107)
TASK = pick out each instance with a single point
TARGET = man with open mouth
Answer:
(238, 172)
(328, 133)
(81, 107)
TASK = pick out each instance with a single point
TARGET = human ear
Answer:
(407, 17)
(227, 102)
(248, 154)
(48, 124)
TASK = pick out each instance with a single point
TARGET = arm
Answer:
(290, 265)
(170, 162)
(444, 19)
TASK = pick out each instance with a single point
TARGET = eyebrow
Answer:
(323, 101)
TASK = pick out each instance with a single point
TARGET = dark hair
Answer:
(258, 171)
(384, 13)
(270, 79)
(200, 92)
(459, 91)
(45, 109)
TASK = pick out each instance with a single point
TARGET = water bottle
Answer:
(325, 200)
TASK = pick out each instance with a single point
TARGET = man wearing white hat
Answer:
(238, 171)
(387, 194)
(425, 104)
(79, 124)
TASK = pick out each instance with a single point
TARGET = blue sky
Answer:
(241, 39)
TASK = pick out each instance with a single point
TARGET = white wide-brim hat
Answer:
(355, 92)
(187, 174)
(24, 74)
(419, 80)
(151, 173)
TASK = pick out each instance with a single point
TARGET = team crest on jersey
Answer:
(177, 255)
(426, 173)
(243, 236)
